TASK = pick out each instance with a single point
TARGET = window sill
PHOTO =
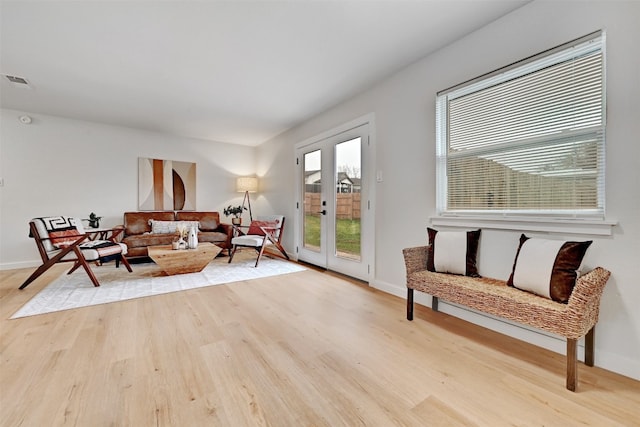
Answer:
(565, 226)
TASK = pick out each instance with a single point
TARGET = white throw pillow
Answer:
(451, 256)
(453, 252)
(169, 227)
(548, 268)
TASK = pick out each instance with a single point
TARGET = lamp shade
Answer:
(247, 183)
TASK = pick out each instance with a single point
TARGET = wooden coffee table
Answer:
(183, 261)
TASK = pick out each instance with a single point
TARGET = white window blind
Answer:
(527, 139)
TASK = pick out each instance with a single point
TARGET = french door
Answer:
(334, 225)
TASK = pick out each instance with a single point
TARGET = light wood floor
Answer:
(304, 349)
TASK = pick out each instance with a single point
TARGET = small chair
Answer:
(63, 239)
(263, 232)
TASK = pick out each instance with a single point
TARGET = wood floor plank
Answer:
(304, 349)
(435, 412)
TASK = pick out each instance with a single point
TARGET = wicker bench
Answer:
(573, 320)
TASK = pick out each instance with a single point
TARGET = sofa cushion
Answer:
(138, 222)
(142, 240)
(209, 221)
(548, 268)
(453, 252)
(212, 237)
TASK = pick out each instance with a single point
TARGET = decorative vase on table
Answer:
(236, 221)
(193, 238)
(181, 244)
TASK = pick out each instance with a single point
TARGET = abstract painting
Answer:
(165, 185)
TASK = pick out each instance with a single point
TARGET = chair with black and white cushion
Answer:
(63, 239)
(264, 232)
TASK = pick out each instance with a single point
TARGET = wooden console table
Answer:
(183, 261)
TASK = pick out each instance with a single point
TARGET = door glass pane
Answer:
(348, 173)
(312, 192)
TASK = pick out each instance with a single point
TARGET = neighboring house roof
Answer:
(343, 177)
(312, 177)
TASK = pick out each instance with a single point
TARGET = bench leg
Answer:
(589, 350)
(434, 303)
(409, 304)
(572, 364)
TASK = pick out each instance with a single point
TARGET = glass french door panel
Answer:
(312, 226)
(348, 174)
(333, 221)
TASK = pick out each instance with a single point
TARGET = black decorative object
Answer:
(94, 220)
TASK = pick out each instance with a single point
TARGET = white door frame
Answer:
(368, 221)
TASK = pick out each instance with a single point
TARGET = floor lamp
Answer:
(246, 185)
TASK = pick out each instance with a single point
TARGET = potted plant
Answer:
(236, 211)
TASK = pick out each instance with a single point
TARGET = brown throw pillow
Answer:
(63, 238)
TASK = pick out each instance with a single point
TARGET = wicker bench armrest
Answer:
(415, 259)
(585, 297)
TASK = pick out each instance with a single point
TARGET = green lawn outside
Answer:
(347, 234)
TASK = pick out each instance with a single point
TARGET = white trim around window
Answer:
(523, 147)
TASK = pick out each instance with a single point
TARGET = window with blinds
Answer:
(528, 138)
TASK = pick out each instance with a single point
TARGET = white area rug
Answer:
(116, 284)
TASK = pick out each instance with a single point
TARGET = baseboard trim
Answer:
(623, 366)
(19, 264)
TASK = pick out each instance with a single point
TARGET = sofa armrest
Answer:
(415, 259)
(228, 230)
(117, 234)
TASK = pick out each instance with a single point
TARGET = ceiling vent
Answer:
(18, 81)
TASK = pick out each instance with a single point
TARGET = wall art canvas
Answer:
(165, 185)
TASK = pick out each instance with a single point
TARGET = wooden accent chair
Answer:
(263, 232)
(63, 239)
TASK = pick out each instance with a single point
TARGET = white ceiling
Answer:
(229, 71)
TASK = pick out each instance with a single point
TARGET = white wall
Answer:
(63, 166)
(403, 105)
(57, 166)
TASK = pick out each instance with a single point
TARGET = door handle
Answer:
(323, 212)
